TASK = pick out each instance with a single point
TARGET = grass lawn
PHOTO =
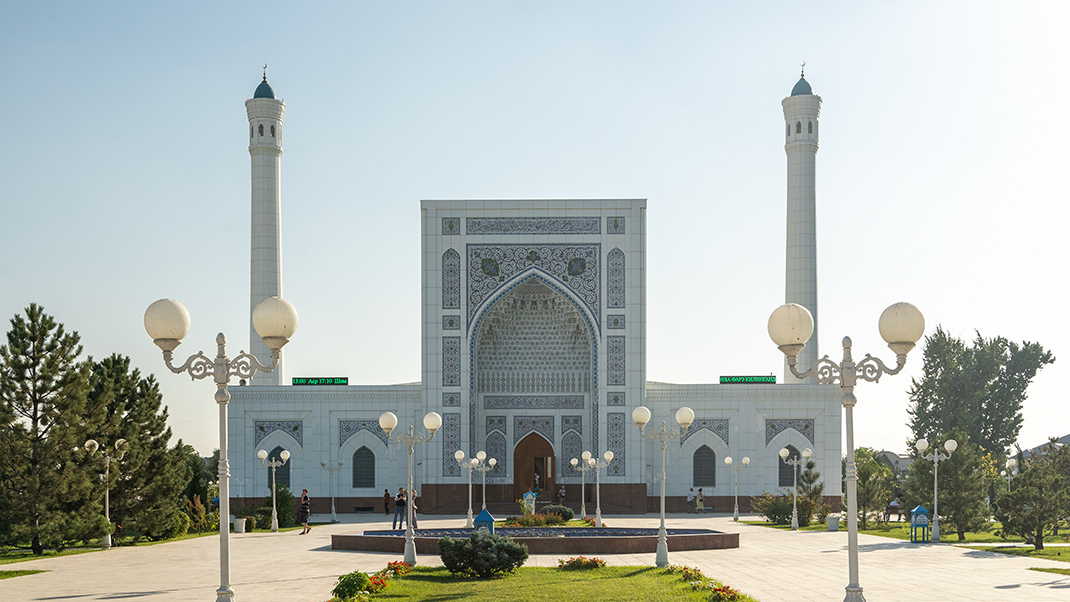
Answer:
(533, 584)
(12, 556)
(1061, 553)
(10, 574)
(1056, 571)
(901, 530)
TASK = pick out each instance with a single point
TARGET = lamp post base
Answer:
(224, 594)
(854, 594)
(471, 522)
(410, 547)
(735, 512)
(662, 557)
(105, 543)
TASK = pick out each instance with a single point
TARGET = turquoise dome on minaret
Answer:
(264, 90)
(800, 89)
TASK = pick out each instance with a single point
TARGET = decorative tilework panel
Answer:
(496, 449)
(533, 402)
(451, 400)
(615, 322)
(614, 225)
(574, 423)
(348, 428)
(615, 441)
(496, 423)
(615, 362)
(571, 447)
(522, 425)
(451, 322)
(717, 426)
(533, 225)
(451, 442)
(615, 399)
(533, 340)
(451, 226)
(451, 280)
(264, 428)
(773, 427)
(615, 279)
(575, 267)
(451, 361)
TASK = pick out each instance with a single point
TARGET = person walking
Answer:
(561, 495)
(304, 511)
(386, 501)
(399, 508)
(700, 501)
(691, 500)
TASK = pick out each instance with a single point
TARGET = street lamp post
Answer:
(901, 325)
(596, 464)
(167, 322)
(1009, 473)
(432, 422)
(469, 464)
(795, 463)
(284, 455)
(331, 469)
(950, 445)
(582, 466)
(121, 446)
(483, 465)
(684, 417)
(735, 503)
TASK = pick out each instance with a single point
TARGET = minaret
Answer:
(265, 148)
(801, 111)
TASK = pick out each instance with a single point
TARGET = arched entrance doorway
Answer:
(533, 456)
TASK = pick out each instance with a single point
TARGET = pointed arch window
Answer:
(282, 473)
(787, 472)
(798, 127)
(704, 467)
(809, 128)
(273, 130)
(261, 129)
(363, 468)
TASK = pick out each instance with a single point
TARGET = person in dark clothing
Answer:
(386, 501)
(305, 511)
(399, 508)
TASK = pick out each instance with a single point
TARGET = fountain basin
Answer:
(606, 540)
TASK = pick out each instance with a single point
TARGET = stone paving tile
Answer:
(771, 565)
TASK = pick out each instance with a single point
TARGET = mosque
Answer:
(534, 351)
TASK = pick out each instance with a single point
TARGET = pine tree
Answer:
(45, 418)
(148, 482)
(1039, 498)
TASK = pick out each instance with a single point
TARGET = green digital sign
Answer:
(321, 380)
(748, 380)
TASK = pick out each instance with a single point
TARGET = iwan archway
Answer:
(534, 358)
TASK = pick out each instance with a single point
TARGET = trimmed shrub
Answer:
(482, 555)
(775, 508)
(534, 520)
(250, 523)
(565, 512)
(351, 584)
(262, 517)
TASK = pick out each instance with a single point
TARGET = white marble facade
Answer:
(533, 349)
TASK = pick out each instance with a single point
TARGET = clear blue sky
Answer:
(124, 170)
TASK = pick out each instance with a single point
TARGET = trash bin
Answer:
(239, 525)
(834, 522)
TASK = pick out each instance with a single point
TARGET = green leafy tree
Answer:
(977, 389)
(874, 486)
(201, 477)
(1039, 498)
(45, 419)
(962, 486)
(148, 481)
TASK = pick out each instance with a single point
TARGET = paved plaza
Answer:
(771, 565)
